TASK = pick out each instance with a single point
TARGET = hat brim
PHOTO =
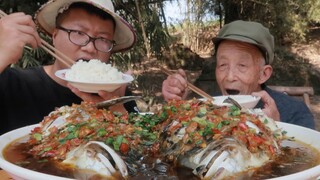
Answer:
(243, 39)
(124, 35)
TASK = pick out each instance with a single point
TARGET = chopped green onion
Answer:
(234, 111)
(201, 121)
(219, 126)
(109, 141)
(202, 112)
(37, 136)
(118, 114)
(47, 149)
(186, 106)
(199, 142)
(117, 142)
(101, 132)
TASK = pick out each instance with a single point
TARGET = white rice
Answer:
(93, 71)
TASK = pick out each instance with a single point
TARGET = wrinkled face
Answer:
(240, 68)
(91, 24)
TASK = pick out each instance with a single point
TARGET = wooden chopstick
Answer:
(50, 49)
(56, 53)
(191, 86)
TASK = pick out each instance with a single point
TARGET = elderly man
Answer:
(244, 53)
(81, 29)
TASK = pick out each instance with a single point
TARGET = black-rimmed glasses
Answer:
(82, 39)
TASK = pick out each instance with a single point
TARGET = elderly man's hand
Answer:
(270, 107)
(174, 87)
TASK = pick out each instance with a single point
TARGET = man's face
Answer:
(94, 26)
(239, 68)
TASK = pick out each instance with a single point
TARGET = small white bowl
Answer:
(246, 101)
(94, 87)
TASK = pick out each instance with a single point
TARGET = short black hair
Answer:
(91, 9)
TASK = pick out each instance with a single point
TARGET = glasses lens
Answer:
(79, 38)
(103, 45)
(82, 39)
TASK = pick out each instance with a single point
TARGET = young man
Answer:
(244, 53)
(81, 29)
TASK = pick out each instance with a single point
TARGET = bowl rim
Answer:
(127, 78)
(247, 98)
(218, 100)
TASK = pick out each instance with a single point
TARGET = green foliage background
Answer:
(289, 21)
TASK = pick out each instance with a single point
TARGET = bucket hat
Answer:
(248, 32)
(124, 36)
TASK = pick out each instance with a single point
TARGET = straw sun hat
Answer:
(124, 36)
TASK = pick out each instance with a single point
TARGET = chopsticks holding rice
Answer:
(50, 49)
(191, 86)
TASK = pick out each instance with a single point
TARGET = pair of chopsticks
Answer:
(50, 49)
(190, 86)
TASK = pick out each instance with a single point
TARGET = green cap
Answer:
(248, 32)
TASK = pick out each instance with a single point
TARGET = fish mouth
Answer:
(232, 91)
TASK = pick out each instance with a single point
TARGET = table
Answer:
(4, 175)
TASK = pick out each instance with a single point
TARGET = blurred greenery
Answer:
(289, 21)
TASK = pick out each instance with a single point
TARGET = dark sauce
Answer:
(17, 154)
(296, 157)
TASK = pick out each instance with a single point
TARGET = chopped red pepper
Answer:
(124, 148)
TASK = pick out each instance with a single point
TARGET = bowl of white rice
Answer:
(94, 75)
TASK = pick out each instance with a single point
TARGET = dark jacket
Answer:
(291, 109)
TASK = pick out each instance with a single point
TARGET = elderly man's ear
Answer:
(265, 74)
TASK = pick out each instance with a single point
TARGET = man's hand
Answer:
(270, 107)
(174, 87)
(16, 31)
(102, 96)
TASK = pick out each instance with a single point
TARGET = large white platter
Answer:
(306, 135)
(17, 172)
